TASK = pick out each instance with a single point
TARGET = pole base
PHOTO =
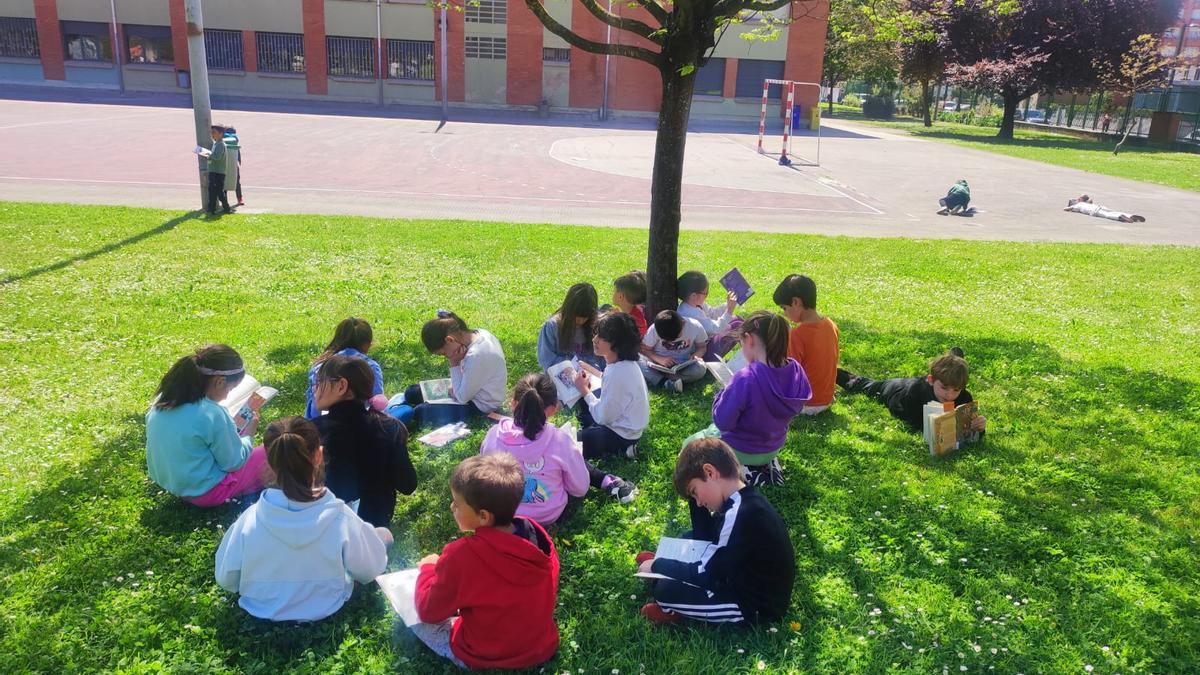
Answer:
(784, 161)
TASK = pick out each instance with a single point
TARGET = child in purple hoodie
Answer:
(753, 411)
(553, 464)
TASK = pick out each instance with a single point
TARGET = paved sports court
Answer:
(870, 182)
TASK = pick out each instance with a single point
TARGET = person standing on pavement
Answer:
(216, 172)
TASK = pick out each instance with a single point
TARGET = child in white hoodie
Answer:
(296, 553)
(552, 463)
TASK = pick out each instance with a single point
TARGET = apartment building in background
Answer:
(497, 54)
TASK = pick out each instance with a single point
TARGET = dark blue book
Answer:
(734, 282)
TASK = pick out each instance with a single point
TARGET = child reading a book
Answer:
(568, 333)
(366, 451)
(629, 295)
(217, 160)
(753, 411)
(193, 449)
(488, 600)
(295, 554)
(718, 322)
(552, 463)
(478, 375)
(813, 341)
(674, 344)
(615, 415)
(352, 337)
(746, 573)
(905, 397)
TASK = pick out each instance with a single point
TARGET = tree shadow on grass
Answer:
(107, 248)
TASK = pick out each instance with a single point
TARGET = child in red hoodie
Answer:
(488, 600)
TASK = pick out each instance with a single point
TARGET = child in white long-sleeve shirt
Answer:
(719, 322)
(478, 375)
(295, 554)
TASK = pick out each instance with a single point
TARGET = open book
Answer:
(723, 370)
(400, 588)
(735, 283)
(671, 370)
(445, 434)
(437, 391)
(947, 430)
(563, 374)
(246, 398)
(672, 548)
(203, 152)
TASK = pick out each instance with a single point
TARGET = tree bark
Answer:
(926, 103)
(662, 259)
(1010, 114)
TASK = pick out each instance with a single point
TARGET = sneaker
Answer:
(957, 351)
(241, 203)
(774, 473)
(659, 616)
(631, 452)
(643, 557)
(675, 386)
(1137, 219)
(758, 475)
(622, 490)
(944, 211)
(843, 378)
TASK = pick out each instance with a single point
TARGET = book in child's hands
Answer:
(446, 434)
(245, 399)
(437, 391)
(563, 374)
(950, 429)
(734, 282)
(670, 370)
(203, 152)
(723, 370)
(672, 548)
(400, 588)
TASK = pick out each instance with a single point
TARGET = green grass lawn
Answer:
(1151, 165)
(1067, 539)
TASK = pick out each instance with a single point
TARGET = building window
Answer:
(1195, 14)
(280, 52)
(710, 79)
(350, 56)
(87, 41)
(486, 47)
(1190, 52)
(750, 76)
(18, 38)
(1193, 33)
(556, 55)
(1167, 50)
(1171, 33)
(148, 44)
(410, 60)
(487, 11)
(223, 49)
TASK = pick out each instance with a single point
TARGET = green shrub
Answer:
(853, 100)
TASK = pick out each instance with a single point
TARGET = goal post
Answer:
(788, 96)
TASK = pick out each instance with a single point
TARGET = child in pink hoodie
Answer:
(552, 462)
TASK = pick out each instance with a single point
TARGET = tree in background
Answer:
(858, 44)
(676, 38)
(921, 50)
(1019, 47)
(1141, 68)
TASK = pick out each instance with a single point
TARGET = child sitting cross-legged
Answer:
(746, 573)
(672, 340)
(719, 322)
(905, 397)
(295, 554)
(488, 600)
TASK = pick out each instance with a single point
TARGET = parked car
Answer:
(949, 106)
(1034, 116)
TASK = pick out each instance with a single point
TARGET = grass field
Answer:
(1151, 165)
(1067, 540)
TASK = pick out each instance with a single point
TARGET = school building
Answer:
(389, 52)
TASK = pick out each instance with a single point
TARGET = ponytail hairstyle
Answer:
(772, 330)
(187, 380)
(353, 332)
(532, 395)
(292, 444)
(359, 377)
(434, 332)
(581, 302)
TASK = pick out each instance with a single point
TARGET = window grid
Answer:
(487, 11)
(87, 41)
(556, 54)
(280, 52)
(350, 56)
(223, 49)
(410, 60)
(148, 44)
(486, 48)
(18, 38)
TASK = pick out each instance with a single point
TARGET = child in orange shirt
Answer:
(814, 340)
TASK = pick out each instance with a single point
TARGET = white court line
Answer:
(446, 195)
(874, 211)
(84, 120)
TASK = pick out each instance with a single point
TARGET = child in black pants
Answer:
(905, 397)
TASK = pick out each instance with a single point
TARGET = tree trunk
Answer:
(926, 103)
(1128, 126)
(1010, 113)
(662, 259)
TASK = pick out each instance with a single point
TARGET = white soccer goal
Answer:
(788, 94)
